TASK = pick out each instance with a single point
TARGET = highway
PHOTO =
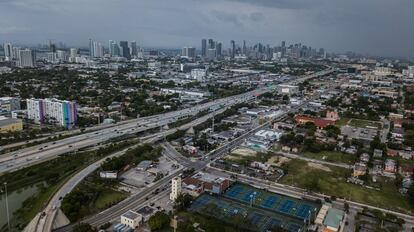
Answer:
(36, 154)
(134, 126)
(45, 222)
(16, 160)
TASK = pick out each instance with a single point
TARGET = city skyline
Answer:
(364, 28)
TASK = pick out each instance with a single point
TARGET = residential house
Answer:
(406, 170)
(360, 169)
(390, 166)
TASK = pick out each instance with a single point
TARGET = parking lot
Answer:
(359, 133)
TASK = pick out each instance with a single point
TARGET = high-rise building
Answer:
(233, 48)
(74, 52)
(62, 56)
(91, 50)
(96, 49)
(211, 54)
(189, 52)
(8, 51)
(175, 188)
(26, 58)
(54, 111)
(125, 49)
(114, 48)
(9, 104)
(133, 49)
(203, 47)
(52, 47)
(218, 49)
(211, 43)
(244, 50)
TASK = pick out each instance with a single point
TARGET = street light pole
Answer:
(7, 207)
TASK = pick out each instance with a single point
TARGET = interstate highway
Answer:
(29, 156)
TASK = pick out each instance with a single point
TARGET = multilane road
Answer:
(29, 156)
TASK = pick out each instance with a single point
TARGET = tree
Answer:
(84, 227)
(158, 221)
(346, 207)
(183, 201)
(332, 131)
(411, 193)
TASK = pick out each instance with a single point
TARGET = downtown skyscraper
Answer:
(96, 49)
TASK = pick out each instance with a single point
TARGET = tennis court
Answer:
(267, 211)
(271, 201)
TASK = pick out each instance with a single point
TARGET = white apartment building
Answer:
(50, 110)
(25, 58)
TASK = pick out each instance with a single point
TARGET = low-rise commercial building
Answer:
(10, 125)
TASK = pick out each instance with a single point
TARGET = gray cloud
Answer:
(257, 16)
(379, 27)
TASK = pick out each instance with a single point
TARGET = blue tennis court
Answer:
(294, 227)
(255, 218)
(249, 195)
(303, 211)
(270, 202)
(233, 192)
(273, 223)
(286, 206)
(200, 202)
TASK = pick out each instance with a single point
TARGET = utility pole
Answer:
(212, 129)
(7, 207)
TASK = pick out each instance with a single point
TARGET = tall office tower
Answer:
(244, 51)
(189, 52)
(25, 58)
(50, 110)
(8, 51)
(97, 50)
(211, 43)
(233, 49)
(134, 50)
(175, 188)
(114, 48)
(110, 46)
(125, 49)
(91, 49)
(15, 52)
(283, 49)
(52, 46)
(203, 47)
(218, 49)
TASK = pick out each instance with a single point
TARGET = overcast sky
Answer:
(376, 27)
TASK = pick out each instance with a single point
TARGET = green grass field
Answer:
(342, 122)
(334, 183)
(109, 197)
(365, 123)
(331, 156)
